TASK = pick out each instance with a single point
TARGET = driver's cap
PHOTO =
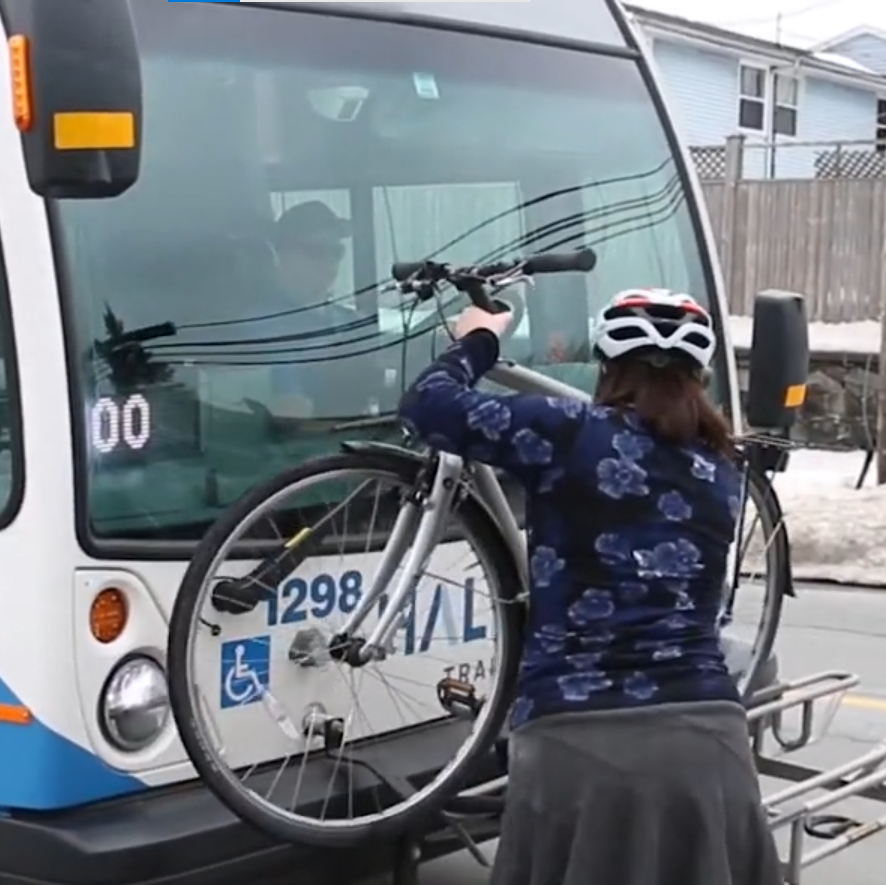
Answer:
(305, 221)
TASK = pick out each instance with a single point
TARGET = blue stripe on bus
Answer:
(41, 770)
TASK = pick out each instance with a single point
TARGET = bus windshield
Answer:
(231, 310)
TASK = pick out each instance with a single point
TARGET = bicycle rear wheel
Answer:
(757, 581)
(298, 762)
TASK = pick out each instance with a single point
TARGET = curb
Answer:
(834, 584)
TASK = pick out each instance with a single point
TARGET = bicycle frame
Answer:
(417, 528)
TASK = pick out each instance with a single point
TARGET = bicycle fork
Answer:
(416, 532)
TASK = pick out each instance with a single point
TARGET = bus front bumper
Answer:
(182, 835)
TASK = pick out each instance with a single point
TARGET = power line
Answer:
(797, 37)
(773, 19)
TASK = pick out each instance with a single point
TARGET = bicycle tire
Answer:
(762, 492)
(485, 533)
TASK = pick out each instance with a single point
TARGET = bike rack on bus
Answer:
(803, 809)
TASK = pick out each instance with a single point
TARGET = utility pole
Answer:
(881, 399)
(880, 442)
(779, 19)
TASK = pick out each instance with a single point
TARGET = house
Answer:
(803, 112)
(865, 46)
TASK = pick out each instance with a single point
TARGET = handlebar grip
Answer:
(403, 270)
(559, 262)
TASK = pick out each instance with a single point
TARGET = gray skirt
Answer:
(664, 795)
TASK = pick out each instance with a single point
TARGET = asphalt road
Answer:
(824, 629)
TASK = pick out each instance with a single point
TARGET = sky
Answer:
(803, 22)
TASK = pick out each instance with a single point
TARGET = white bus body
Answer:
(101, 477)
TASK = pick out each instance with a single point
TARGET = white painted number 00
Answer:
(112, 423)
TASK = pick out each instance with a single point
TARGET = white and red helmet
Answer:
(649, 320)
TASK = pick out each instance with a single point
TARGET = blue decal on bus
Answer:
(298, 599)
(245, 670)
(42, 770)
(318, 598)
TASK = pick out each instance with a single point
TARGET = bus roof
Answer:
(589, 21)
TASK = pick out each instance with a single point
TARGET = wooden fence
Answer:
(822, 236)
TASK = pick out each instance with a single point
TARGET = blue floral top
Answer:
(627, 537)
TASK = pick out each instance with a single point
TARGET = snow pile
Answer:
(859, 337)
(837, 533)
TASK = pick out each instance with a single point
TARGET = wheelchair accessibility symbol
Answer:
(245, 670)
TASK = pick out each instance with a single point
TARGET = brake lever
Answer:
(510, 279)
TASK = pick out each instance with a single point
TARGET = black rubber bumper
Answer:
(183, 835)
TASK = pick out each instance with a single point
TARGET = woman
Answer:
(630, 762)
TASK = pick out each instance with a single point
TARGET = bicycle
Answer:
(430, 486)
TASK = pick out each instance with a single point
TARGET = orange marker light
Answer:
(795, 396)
(108, 615)
(22, 86)
(14, 714)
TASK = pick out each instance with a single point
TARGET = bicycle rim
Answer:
(753, 617)
(220, 768)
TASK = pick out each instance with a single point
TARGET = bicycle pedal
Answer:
(459, 698)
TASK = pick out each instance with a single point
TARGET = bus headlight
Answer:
(134, 705)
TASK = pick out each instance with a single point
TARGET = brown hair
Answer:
(669, 399)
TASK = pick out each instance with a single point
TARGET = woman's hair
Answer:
(670, 399)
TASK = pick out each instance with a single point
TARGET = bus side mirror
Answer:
(779, 360)
(77, 94)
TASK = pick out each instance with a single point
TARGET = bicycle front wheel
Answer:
(306, 743)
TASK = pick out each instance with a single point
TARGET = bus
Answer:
(166, 171)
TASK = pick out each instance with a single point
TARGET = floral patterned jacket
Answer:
(628, 539)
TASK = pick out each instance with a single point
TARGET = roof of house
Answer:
(858, 31)
(826, 63)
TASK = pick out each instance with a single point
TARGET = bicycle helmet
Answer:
(657, 322)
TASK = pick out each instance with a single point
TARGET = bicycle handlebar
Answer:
(584, 260)
(479, 283)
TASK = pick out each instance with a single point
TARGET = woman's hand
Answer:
(473, 318)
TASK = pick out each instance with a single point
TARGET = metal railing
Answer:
(794, 159)
(804, 809)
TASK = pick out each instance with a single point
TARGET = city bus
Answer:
(156, 364)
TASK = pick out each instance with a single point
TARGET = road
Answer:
(824, 629)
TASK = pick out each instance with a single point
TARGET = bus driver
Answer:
(309, 241)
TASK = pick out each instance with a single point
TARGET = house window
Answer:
(881, 126)
(784, 111)
(752, 98)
